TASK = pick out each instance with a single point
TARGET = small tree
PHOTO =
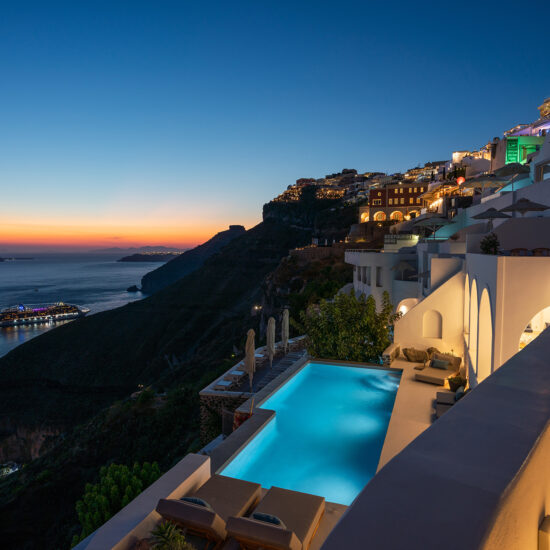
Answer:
(489, 244)
(118, 485)
(349, 328)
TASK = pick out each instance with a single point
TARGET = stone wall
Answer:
(212, 407)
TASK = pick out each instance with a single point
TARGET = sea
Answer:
(96, 281)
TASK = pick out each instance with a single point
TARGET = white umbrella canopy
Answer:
(285, 330)
(250, 355)
(270, 344)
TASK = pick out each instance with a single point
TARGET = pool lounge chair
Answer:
(225, 497)
(299, 512)
(435, 376)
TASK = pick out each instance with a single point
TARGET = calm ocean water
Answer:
(95, 281)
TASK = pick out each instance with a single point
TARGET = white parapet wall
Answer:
(136, 520)
(436, 321)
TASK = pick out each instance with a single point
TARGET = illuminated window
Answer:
(402, 200)
(379, 194)
(377, 202)
(418, 200)
(422, 189)
(415, 189)
(401, 190)
(390, 201)
(411, 200)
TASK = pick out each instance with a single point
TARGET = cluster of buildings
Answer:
(466, 262)
(487, 306)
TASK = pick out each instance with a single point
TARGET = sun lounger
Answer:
(435, 376)
(225, 496)
(223, 384)
(300, 514)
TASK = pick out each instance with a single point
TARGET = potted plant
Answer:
(456, 381)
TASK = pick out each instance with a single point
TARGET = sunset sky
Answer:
(161, 123)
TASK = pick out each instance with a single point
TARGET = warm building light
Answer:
(460, 180)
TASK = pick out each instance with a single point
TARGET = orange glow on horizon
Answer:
(90, 236)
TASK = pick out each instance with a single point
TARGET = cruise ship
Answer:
(42, 313)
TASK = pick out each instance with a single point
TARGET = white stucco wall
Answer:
(388, 276)
(447, 299)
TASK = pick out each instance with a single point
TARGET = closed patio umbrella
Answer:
(250, 355)
(270, 344)
(285, 330)
(525, 205)
(490, 214)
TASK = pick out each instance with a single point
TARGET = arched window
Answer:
(432, 324)
(364, 217)
(397, 216)
(380, 216)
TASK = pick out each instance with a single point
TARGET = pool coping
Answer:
(226, 451)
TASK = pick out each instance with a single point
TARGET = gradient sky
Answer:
(133, 123)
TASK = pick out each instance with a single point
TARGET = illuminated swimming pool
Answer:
(327, 433)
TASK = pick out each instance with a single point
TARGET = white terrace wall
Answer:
(419, 327)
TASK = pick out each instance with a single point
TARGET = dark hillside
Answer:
(187, 262)
(64, 376)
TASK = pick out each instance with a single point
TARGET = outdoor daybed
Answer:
(437, 376)
(218, 499)
(284, 520)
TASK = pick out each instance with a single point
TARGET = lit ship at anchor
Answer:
(43, 313)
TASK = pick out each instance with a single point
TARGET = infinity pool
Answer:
(327, 433)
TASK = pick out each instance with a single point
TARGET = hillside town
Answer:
(455, 255)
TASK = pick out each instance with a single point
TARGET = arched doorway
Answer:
(485, 338)
(535, 326)
(467, 309)
(396, 216)
(405, 305)
(414, 214)
(364, 217)
(472, 344)
(379, 216)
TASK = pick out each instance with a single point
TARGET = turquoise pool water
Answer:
(327, 434)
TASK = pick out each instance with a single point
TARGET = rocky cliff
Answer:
(76, 379)
(189, 261)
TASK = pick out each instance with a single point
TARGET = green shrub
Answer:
(349, 328)
(168, 536)
(489, 244)
(118, 486)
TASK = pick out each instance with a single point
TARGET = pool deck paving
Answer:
(412, 411)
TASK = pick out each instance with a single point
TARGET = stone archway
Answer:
(467, 309)
(405, 305)
(485, 337)
(472, 344)
(379, 216)
(534, 327)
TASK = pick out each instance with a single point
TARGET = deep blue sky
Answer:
(182, 117)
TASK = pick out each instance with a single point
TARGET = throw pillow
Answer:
(268, 518)
(440, 364)
(196, 501)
